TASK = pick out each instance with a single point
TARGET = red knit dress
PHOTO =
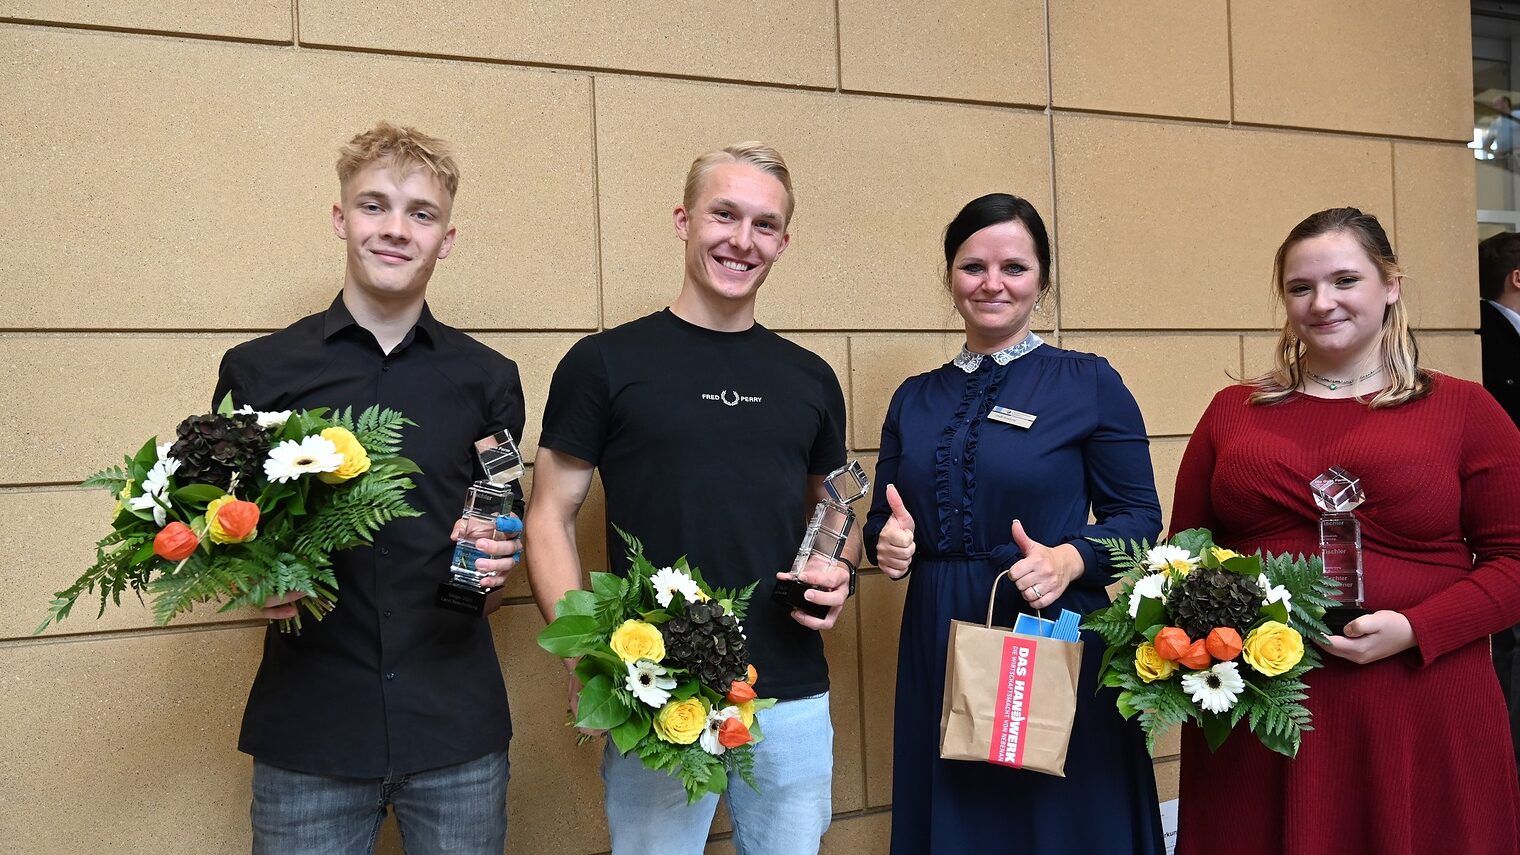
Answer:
(1410, 754)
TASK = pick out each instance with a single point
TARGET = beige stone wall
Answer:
(168, 170)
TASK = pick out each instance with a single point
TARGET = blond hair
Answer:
(757, 154)
(405, 149)
(1407, 381)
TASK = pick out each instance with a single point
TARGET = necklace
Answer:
(1332, 385)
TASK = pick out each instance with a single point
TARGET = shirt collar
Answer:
(969, 360)
(338, 318)
(1509, 314)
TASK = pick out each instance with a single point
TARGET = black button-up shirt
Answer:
(387, 683)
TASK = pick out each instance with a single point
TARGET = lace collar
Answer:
(968, 361)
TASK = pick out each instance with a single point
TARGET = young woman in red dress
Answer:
(1410, 747)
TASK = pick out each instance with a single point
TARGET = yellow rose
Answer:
(636, 640)
(1221, 554)
(1273, 648)
(681, 722)
(1149, 664)
(747, 713)
(355, 458)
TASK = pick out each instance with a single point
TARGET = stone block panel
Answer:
(1408, 64)
(880, 601)
(879, 364)
(1169, 226)
(1166, 458)
(258, 20)
(1167, 772)
(685, 38)
(1434, 237)
(1153, 57)
(875, 181)
(1153, 365)
(140, 728)
(1458, 354)
(949, 49)
(207, 205)
(851, 835)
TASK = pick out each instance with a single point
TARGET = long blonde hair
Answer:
(1401, 356)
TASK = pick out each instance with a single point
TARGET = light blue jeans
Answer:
(794, 769)
(456, 809)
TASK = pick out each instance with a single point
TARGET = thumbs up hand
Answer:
(1044, 572)
(894, 548)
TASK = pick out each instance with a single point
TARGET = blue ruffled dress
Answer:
(964, 478)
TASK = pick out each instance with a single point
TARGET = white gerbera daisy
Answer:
(648, 682)
(1275, 593)
(150, 501)
(267, 421)
(715, 718)
(1173, 558)
(668, 581)
(1215, 689)
(1153, 586)
(290, 459)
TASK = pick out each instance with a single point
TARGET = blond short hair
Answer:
(406, 149)
(757, 154)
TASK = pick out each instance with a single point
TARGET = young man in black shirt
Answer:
(713, 436)
(388, 700)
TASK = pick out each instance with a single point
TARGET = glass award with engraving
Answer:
(487, 514)
(1338, 493)
(827, 533)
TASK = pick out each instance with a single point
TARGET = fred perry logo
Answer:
(731, 397)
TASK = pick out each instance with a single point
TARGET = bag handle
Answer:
(992, 598)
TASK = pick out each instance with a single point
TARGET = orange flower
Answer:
(740, 692)
(175, 542)
(750, 675)
(1172, 643)
(1197, 656)
(732, 733)
(230, 520)
(1223, 643)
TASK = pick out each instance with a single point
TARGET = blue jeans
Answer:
(794, 769)
(456, 809)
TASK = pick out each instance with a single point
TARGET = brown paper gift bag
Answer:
(1009, 698)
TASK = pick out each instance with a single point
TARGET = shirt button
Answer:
(385, 550)
(385, 367)
(955, 460)
(387, 612)
(390, 675)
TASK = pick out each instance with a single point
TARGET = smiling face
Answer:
(396, 227)
(994, 281)
(734, 230)
(1336, 297)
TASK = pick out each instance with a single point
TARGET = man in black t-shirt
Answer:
(389, 700)
(713, 436)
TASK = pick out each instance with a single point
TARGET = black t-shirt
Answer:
(387, 683)
(705, 440)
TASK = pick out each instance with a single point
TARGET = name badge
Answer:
(1012, 417)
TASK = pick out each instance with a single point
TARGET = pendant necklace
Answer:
(1332, 385)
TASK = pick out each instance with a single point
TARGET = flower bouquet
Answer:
(245, 506)
(664, 669)
(1203, 633)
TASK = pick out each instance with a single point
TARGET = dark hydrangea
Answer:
(212, 448)
(708, 643)
(1206, 599)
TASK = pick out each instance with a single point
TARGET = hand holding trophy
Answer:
(827, 533)
(487, 514)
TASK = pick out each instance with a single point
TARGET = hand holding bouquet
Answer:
(244, 507)
(665, 670)
(1199, 632)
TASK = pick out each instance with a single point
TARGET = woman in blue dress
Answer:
(965, 492)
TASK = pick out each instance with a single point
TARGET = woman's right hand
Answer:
(895, 547)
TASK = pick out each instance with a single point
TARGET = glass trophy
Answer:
(827, 533)
(487, 514)
(1338, 493)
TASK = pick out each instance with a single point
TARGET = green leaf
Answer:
(600, 707)
(1125, 703)
(575, 602)
(571, 635)
(1152, 612)
(400, 465)
(225, 406)
(1216, 729)
(718, 781)
(1194, 540)
(1245, 565)
(607, 585)
(627, 735)
(142, 554)
(1275, 611)
(198, 493)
